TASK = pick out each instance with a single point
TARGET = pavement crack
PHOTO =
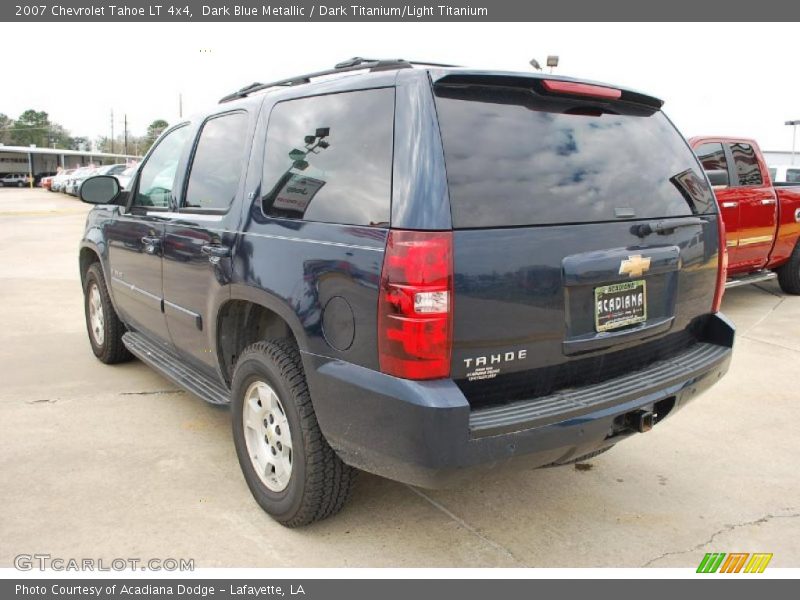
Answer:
(760, 341)
(151, 393)
(726, 529)
(462, 523)
(42, 401)
(781, 300)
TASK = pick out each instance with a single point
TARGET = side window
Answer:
(712, 157)
(747, 169)
(329, 158)
(158, 173)
(217, 163)
(792, 175)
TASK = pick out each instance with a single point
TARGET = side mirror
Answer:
(718, 177)
(100, 189)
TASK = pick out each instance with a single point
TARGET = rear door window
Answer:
(515, 157)
(329, 158)
(744, 159)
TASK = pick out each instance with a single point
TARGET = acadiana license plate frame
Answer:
(620, 315)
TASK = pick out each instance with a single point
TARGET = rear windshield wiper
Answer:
(666, 226)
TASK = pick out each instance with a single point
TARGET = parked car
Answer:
(761, 220)
(789, 174)
(501, 267)
(60, 180)
(47, 182)
(15, 180)
(126, 176)
(77, 178)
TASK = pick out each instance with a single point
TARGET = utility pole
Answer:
(126, 134)
(112, 131)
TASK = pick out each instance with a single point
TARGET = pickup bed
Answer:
(762, 220)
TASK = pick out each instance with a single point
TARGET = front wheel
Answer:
(292, 472)
(102, 323)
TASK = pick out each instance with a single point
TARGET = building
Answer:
(40, 161)
(777, 158)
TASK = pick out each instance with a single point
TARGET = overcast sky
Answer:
(724, 79)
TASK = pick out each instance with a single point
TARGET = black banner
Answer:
(396, 10)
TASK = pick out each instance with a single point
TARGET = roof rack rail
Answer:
(356, 63)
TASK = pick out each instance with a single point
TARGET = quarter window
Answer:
(329, 158)
(158, 174)
(747, 169)
(217, 164)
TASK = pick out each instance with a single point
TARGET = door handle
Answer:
(730, 204)
(151, 244)
(767, 201)
(215, 252)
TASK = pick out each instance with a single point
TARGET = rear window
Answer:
(515, 157)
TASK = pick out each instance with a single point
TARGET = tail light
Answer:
(415, 309)
(581, 89)
(722, 275)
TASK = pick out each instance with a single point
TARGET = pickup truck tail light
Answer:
(415, 307)
(722, 274)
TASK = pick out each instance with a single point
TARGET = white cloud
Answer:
(728, 79)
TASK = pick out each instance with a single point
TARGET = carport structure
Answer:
(39, 161)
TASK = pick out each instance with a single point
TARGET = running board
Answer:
(756, 277)
(175, 369)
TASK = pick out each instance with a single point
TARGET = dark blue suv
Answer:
(414, 270)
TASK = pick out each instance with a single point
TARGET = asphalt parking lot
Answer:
(105, 462)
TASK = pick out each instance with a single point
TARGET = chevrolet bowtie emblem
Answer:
(634, 265)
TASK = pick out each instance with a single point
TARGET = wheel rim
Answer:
(96, 317)
(267, 436)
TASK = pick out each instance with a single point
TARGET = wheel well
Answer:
(87, 258)
(241, 323)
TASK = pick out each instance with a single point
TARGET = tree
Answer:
(6, 125)
(33, 127)
(154, 130)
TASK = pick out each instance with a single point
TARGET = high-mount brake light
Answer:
(581, 89)
(415, 309)
(722, 274)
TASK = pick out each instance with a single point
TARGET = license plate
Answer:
(620, 304)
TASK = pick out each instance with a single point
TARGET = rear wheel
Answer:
(292, 472)
(789, 273)
(102, 323)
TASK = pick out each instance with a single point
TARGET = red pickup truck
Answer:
(762, 220)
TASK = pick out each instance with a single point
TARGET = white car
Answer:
(785, 174)
(15, 179)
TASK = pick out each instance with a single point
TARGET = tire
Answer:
(20, 184)
(269, 390)
(105, 334)
(789, 273)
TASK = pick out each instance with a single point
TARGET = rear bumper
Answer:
(424, 433)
